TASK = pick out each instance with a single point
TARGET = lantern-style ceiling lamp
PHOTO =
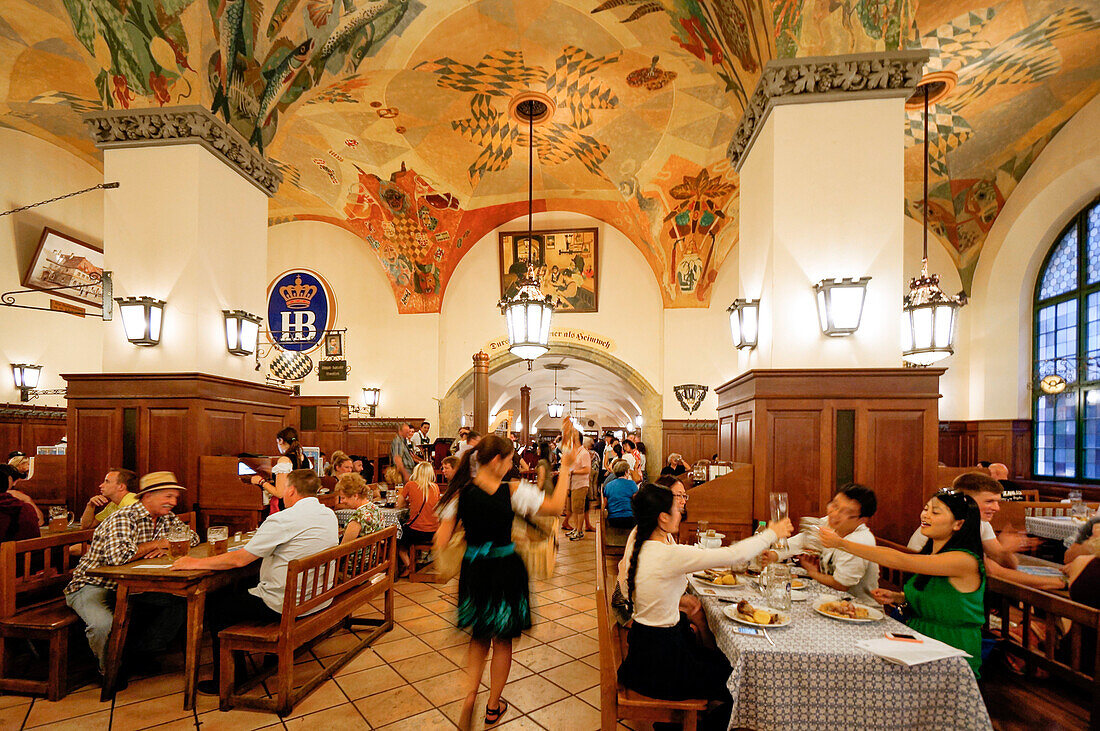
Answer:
(26, 378)
(371, 398)
(840, 305)
(555, 408)
(744, 322)
(241, 331)
(141, 319)
(928, 314)
(528, 312)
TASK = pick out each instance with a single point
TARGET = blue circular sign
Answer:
(299, 306)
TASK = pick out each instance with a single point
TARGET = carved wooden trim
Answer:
(114, 128)
(824, 79)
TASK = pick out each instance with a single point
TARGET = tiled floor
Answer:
(411, 678)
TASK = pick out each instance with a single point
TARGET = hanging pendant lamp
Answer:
(528, 312)
(555, 408)
(929, 315)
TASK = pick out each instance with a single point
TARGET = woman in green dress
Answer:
(946, 594)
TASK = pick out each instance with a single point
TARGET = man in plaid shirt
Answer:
(137, 531)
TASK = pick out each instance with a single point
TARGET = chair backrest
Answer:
(892, 578)
(188, 519)
(30, 570)
(331, 574)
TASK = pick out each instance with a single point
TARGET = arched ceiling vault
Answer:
(391, 117)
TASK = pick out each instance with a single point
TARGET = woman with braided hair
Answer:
(492, 584)
(665, 659)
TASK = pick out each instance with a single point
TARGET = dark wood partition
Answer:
(26, 427)
(165, 421)
(724, 502)
(808, 431)
(695, 439)
(324, 421)
(1008, 441)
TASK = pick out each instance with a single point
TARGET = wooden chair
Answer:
(33, 574)
(189, 520)
(617, 702)
(345, 577)
(421, 572)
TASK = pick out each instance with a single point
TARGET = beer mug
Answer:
(60, 517)
(777, 592)
(218, 537)
(179, 541)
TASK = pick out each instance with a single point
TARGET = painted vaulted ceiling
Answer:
(391, 118)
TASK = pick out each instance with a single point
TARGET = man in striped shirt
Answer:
(138, 531)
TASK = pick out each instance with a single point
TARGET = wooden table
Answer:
(191, 585)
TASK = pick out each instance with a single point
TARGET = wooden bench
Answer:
(426, 571)
(33, 574)
(345, 577)
(613, 539)
(1074, 658)
(619, 703)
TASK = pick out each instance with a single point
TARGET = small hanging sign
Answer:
(332, 370)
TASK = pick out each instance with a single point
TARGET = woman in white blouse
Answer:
(666, 659)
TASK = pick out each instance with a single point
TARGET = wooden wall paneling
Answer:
(742, 437)
(708, 444)
(41, 435)
(726, 439)
(25, 427)
(260, 430)
(224, 432)
(357, 441)
(891, 459)
(164, 434)
(964, 443)
(695, 439)
(796, 448)
(95, 446)
(11, 437)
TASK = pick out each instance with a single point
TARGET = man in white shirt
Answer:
(847, 514)
(421, 440)
(578, 490)
(303, 528)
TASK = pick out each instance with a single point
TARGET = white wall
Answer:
(629, 313)
(34, 170)
(1064, 177)
(397, 353)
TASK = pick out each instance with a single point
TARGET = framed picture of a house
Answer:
(66, 267)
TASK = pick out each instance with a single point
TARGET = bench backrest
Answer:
(610, 636)
(333, 575)
(34, 568)
(1015, 513)
(891, 578)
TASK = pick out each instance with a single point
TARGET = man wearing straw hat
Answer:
(137, 531)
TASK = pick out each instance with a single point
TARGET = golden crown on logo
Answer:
(298, 296)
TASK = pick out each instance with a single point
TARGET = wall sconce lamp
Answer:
(141, 319)
(26, 378)
(840, 305)
(241, 331)
(371, 399)
(744, 322)
(638, 422)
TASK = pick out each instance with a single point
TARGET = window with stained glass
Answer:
(1067, 345)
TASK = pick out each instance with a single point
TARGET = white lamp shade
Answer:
(555, 409)
(26, 376)
(141, 319)
(928, 332)
(371, 396)
(528, 315)
(840, 305)
(744, 323)
(241, 331)
(638, 421)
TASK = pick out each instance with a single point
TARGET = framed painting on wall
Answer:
(566, 261)
(62, 261)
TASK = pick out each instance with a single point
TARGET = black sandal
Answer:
(492, 715)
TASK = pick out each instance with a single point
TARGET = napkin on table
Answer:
(910, 653)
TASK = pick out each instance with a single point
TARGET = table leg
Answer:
(196, 604)
(116, 643)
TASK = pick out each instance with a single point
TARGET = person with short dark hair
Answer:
(18, 518)
(420, 439)
(847, 514)
(448, 467)
(115, 492)
(304, 527)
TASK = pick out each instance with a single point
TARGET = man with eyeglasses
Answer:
(463, 432)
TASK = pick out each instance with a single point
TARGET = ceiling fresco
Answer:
(393, 118)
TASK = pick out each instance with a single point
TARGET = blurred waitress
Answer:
(293, 457)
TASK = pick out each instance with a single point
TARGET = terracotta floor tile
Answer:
(531, 693)
(13, 716)
(453, 710)
(556, 582)
(443, 689)
(399, 600)
(410, 612)
(146, 688)
(542, 658)
(326, 695)
(570, 714)
(576, 646)
(150, 712)
(397, 633)
(339, 718)
(593, 660)
(236, 720)
(579, 622)
(537, 585)
(7, 701)
(581, 603)
(444, 607)
(555, 610)
(523, 723)
(392, 705)
(574, 676)
(100, 721)
(456, 654)
(557, 595)
(593, 633)
(423, 666)
(336, 644)
(44, 711)
(400, 649)
(591, 696)
(368, 658)
(550, 631)
(432, 720)
(443, 638)
(183, 724)
(368, 682)
(428, 623)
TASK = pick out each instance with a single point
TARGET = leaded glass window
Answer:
(1067, 346)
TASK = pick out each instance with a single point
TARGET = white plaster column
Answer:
(822, 197)
(188, 225)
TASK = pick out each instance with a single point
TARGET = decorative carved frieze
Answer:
(825, 79)
(112, 128)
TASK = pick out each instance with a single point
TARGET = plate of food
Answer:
(717, 577)
(847, 611)
(799, 583)
(756, 616)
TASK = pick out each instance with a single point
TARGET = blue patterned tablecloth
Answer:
(390, 516)
(816, 678)
(1055, 528)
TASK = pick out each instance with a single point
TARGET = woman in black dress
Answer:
(293, 458)
(492, 585)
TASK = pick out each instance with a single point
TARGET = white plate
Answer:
(804, 583)
(799, 596)
(708, 582)
(874, 615)
(730, 610)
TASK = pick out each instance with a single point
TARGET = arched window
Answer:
(1066, 408)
